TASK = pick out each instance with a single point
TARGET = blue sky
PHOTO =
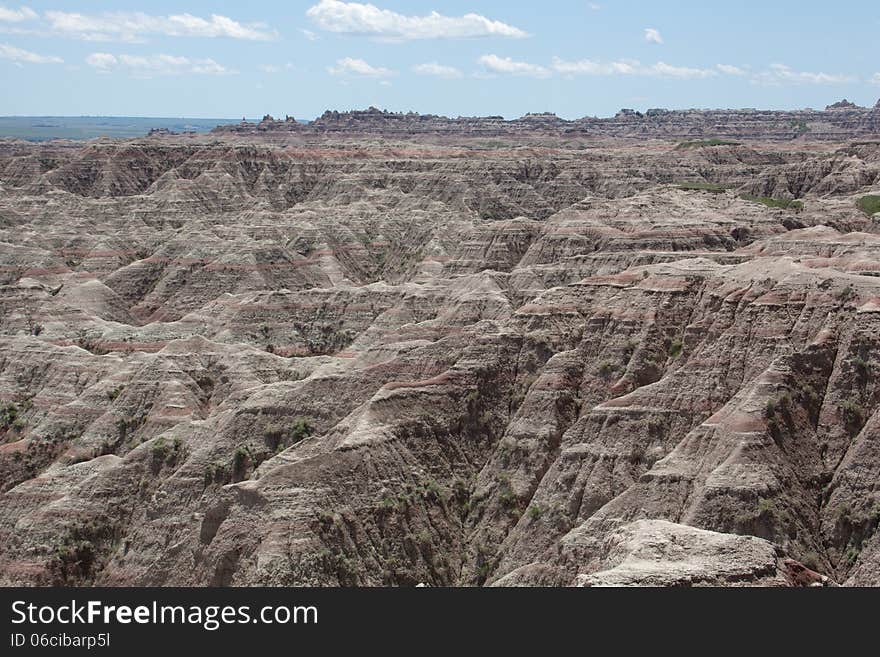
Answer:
(460, 57)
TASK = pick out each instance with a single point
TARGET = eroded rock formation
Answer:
(839, 121)
(307, 357)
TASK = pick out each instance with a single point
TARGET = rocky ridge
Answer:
(839, 121)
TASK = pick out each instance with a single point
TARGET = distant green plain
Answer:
(44, 128)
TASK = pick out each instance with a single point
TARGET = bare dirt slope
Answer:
(359, 360)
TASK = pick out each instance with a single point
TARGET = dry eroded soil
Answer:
(229, 361)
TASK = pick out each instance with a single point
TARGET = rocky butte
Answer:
(839, 121)
(392, 349)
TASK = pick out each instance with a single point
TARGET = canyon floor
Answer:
(358, 360)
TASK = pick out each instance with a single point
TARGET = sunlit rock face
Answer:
(392, 349)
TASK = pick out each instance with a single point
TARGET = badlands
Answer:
(393, 349)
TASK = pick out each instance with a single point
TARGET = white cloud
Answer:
(776, 75)
(311, 36)
(368, 20)
(276, 68)
(26, 56)
(350, 66)
(653, 35)
(729, 69)
(592, 67)
(594, 6)
(134, 26)
(17, 15)
(876, 79)
(629, 67)
(102, 60)
(663, 69)
(497, 64)
(154, 65)
(782, 74)
(437, 70)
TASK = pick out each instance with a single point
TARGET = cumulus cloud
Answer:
(506, 65)
(437, 70)
(350, 66)
(147, 66)
(876, 79)
(629, 67)
(359, 19)
(134, 26)
(653, 35)
(729, 69)
(26, 56)
(17, 15)
(782, 74)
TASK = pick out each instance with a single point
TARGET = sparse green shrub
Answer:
(705, 143)
(535, 511)
(216, 473)
(460, 492)
(809, 396)
(341, 565)
(862, 369)
(9, 416)
(163, 452)
(845, 294)
(766, 506)
(78, 551)
(675, 349)
(784, 404)
(326, 519)
(853, 416)
(869, 204)
(431, 491)
(506, 497)
(852, 555)
(125, 426)
(637, 453)
(72, 560)
(712, 188)
(655, 426)
(90, 343)
(522, 389)
(778, 203)
(388, 504)
(239, 460)
(770, 411)
(160, 450)
(606, 369)
(300, 430)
